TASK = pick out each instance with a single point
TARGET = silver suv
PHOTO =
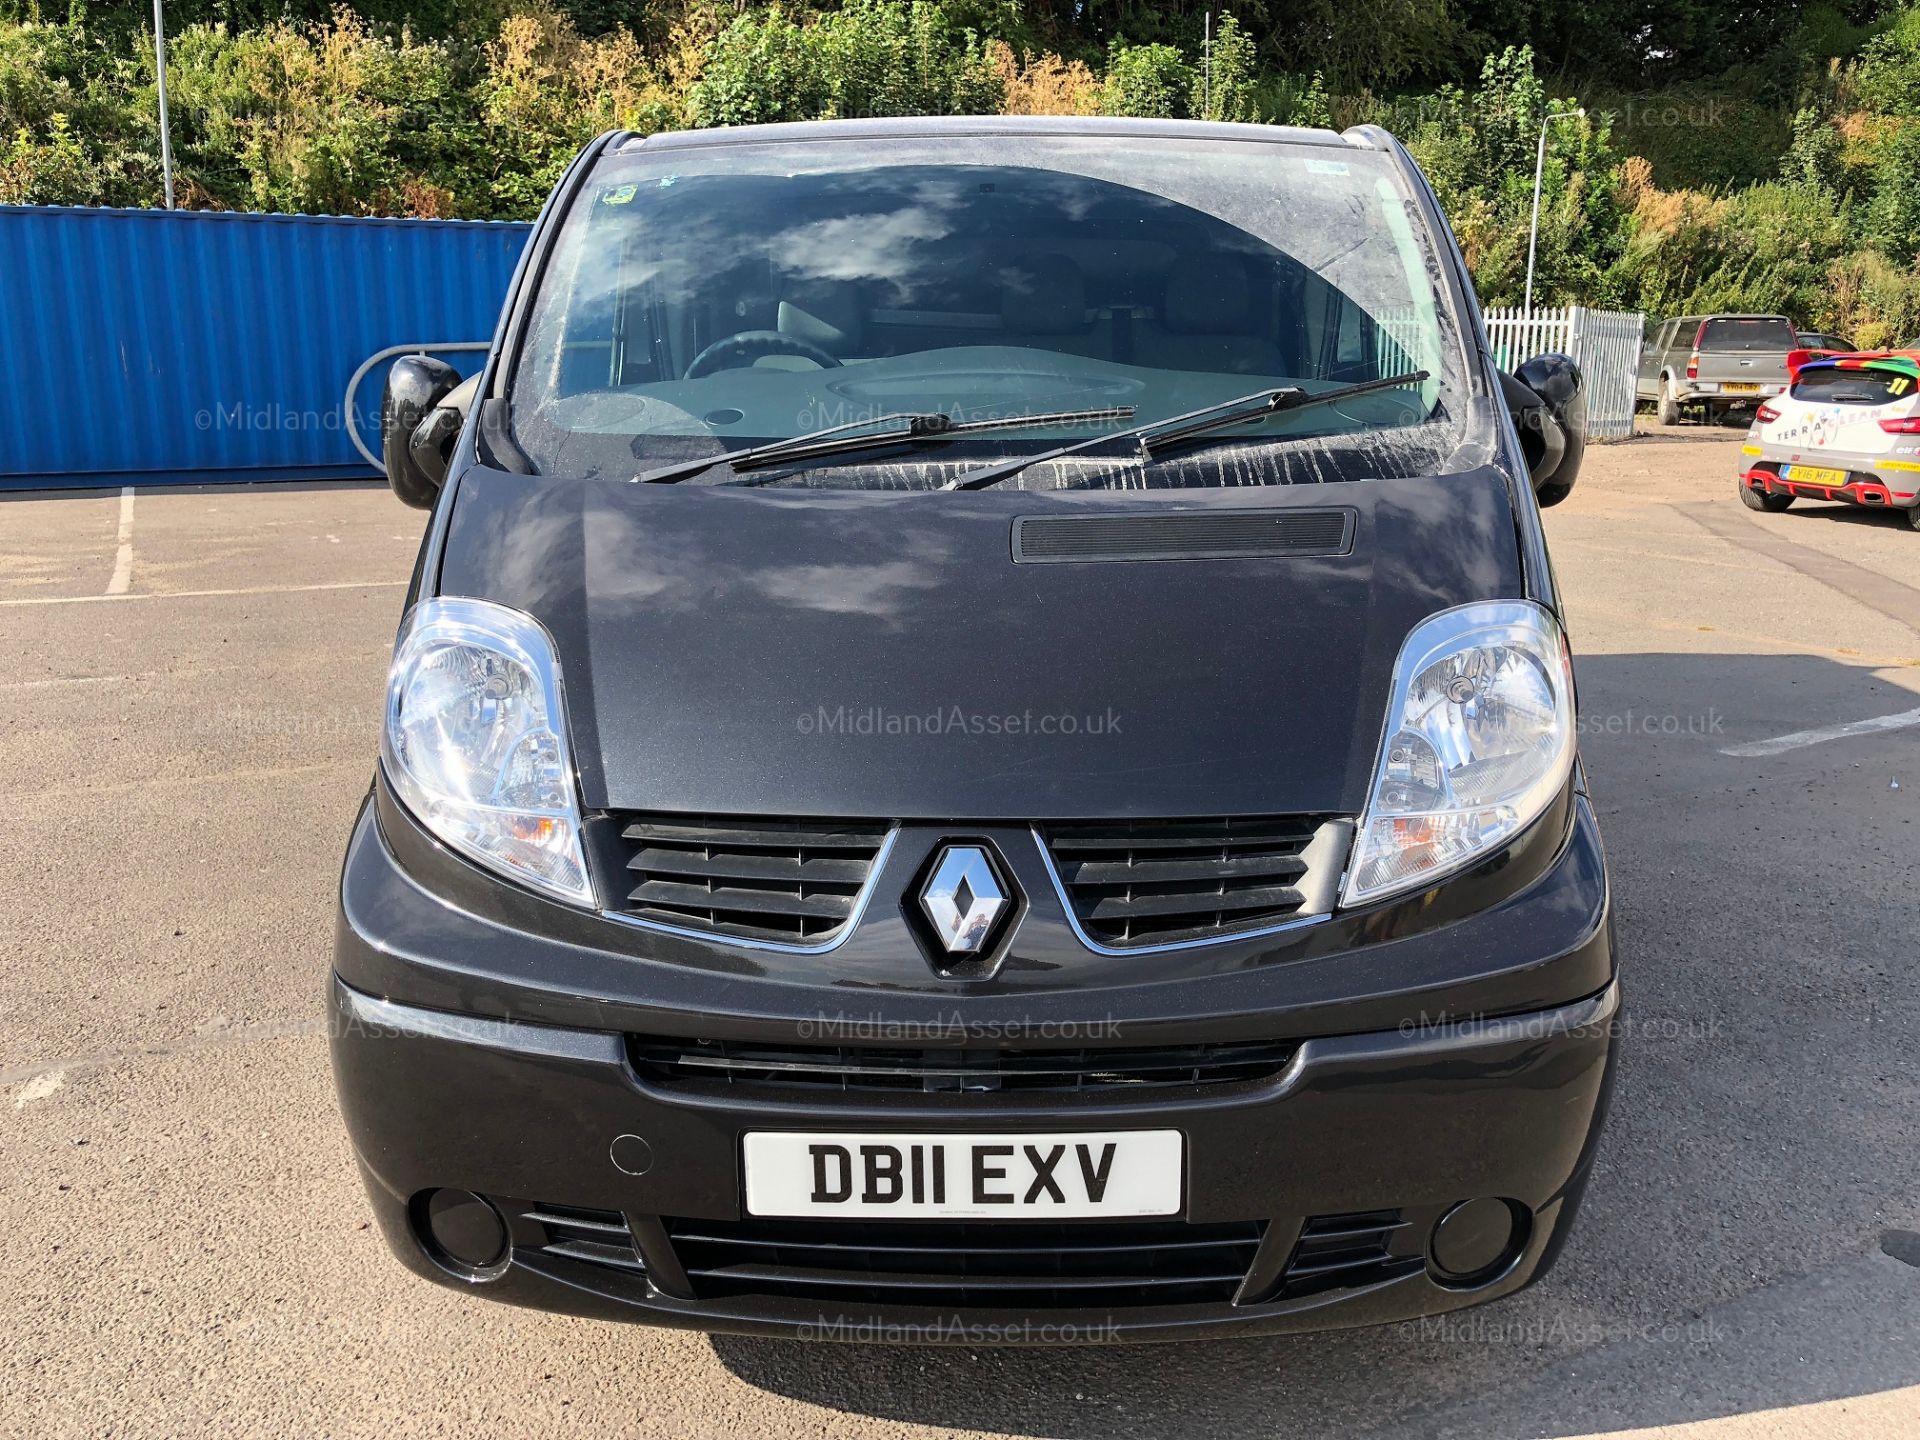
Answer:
(1718, 362)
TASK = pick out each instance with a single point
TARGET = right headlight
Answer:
(476, 743)
(1478, 742)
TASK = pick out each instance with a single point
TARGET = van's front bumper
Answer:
(444, 1089)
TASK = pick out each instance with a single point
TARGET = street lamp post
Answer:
(1539, 168)
(1206, 71)
(160, 74)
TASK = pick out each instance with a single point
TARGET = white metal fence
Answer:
(1606, 343)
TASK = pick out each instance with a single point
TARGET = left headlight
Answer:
(1478, 742)
(476, 743)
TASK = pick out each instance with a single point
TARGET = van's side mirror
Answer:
(416, 384)
(1548, 399)
(431, 448)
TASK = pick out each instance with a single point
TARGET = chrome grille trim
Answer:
(832, 1071)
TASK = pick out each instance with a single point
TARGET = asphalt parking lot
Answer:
(190, 713)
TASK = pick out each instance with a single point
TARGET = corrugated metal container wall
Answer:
(168, 345)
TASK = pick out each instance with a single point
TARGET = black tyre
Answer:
(1913, 517)
(1667, 407)
(1759, 499)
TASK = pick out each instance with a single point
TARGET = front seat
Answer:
(1043, 305)
(826, 313)
(1207, 323)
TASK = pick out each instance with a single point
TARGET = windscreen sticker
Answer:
(618, 195)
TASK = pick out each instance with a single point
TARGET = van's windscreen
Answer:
(705, 298)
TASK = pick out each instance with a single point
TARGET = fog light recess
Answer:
(462, 1232)
(1477, 1240)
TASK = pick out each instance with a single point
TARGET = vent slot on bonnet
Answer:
(1183, 535)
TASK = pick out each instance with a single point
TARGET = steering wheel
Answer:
(736, 351)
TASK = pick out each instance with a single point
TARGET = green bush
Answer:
(1893, 220)
(1716, 134)
(1887, 78)
(1147, 80)
(1372, 43)
(52, 171)
(1478, 150)
(871, 57)
(546, 90)
(1303, 104)
(1815, 159)
(1872, 300)
(1229, 88)
(329, 119)
(1789, 182)
(1774, 245)
(763, 67)
(66, 130)
(884, 57)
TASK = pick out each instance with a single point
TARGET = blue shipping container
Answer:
(170, 346)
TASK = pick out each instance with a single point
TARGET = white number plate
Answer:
(964, 1177)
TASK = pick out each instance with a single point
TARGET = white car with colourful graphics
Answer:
(1847, 429)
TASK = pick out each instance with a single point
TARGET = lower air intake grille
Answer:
(1015, 1265)
(787, 881)
(1161, 882)
(1343, 1250)
(598, 1236)
(820, 1069)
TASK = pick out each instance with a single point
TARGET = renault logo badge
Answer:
(963, 899)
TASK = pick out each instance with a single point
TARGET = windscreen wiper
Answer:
(1176, 428)
(907, 429)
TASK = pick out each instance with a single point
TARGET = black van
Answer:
(982, 747)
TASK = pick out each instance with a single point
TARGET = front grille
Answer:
(787, 881)
(846, 1068)
(1159, 882)
(1012, 1265)
(1336, 1251)
(994, 1265)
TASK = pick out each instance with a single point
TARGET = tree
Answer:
(1893, 220)
(871, 57)
(50, 171)
(1228, 87)
(1148, 80)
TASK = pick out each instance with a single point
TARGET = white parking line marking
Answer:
(205, 777)
(200, 594)
(63, 680)
(167, 1050)
(123, 561)
(1799, 738)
